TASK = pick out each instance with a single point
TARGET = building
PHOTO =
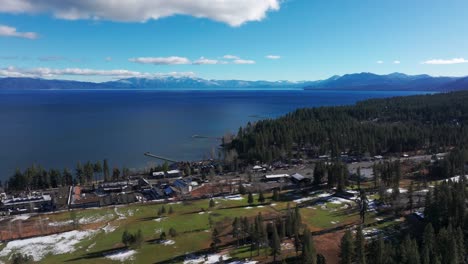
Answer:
(167, 174)
(276, 177)
(29, 204)
(173, 174)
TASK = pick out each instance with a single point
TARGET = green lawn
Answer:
(191, 221)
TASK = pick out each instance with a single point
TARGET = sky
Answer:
(100, 40)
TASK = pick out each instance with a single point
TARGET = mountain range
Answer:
(357, 81)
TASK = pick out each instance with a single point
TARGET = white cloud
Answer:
(396, 62)
(50, 72)
(231, 57)
(108, 59)
(445, 62)
(380, 62)
(241, 61)
(204, 60)
(161, 60)
(273, 57)
(232, 12)
(7, 31)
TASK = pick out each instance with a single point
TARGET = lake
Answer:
(58, 128)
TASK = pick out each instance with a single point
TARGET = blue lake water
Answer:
(58, 128)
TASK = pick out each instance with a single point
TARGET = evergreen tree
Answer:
(309, 255)
(275, 244)
(212, 203)
(360, 247)
(276, 195)
(250, 199)
(261, 197)
(347, 248)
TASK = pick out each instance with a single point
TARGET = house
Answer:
(276, 177)
(258, 168)
(158, 174)
(298, 178)
(173, 174)
(29, 204)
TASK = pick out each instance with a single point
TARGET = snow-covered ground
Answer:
(38, 247)
(233, 197)
(109, 228)
(211, 259)
(121, 216)
(167, 242)
(456, 178)
(21, 217)
(337, 200)
(95, 219)
(61, 223)
(400, 189)
(121, 255)
(305, 199)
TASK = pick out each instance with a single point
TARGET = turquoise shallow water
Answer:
(58, 128)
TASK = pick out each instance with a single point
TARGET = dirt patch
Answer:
(329, 245)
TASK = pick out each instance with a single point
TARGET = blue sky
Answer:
(100, 40)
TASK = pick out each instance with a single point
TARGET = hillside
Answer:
(357, 81)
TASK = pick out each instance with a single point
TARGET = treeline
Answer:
(266, 237)
(37, 177)
(444, 239)
(371, 127)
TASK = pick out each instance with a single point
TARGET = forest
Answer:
(432, 123)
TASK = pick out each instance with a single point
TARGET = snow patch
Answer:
(39, 247)
(95, 219)
(109, 228)
(21, 217)
(400, 189)
(121, 255)
(168, 242)
(210, 259)
(233, 197)
(61, 223)
(160, 219)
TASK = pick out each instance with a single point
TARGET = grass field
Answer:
(98, 239)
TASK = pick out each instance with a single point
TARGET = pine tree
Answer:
(347, 248)
(427, 246)
(212, 203)
(309, 255)
(250, 199)
(360, 246)
(275, 244)
(261, 197)
(276, 195)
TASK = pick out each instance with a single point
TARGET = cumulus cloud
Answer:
(232, 12)
(396, 62)
(173, 60)
(7, 31)
(445, 62)
(50, 72)
(273, 57)
(241, 61)
(231, 57)
(204, 60)
(379, 62)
